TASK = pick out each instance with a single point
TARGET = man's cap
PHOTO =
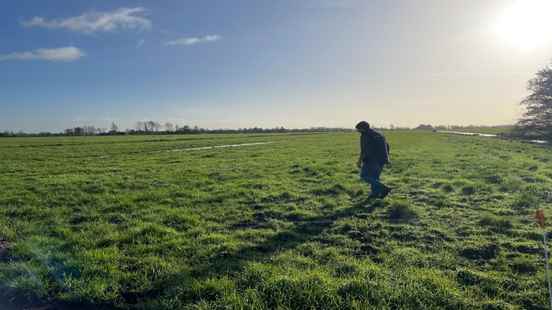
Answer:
(363, 125)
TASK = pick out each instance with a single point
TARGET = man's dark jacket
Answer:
(374, 149)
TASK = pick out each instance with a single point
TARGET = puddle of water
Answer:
(198, 149)
(467, 133)
(484, 135)
(218, 147)
(538, 141)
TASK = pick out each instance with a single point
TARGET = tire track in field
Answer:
(200, 148)
(189, 149)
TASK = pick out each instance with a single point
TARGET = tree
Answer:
(424, 127)
(89, 130)
(152, 126)
(169, 127)
(537, 119)
(114, 127)
(141, 126)
(78, 131)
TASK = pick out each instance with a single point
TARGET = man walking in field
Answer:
(374, 154)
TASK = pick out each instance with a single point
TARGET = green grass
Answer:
(129, 222)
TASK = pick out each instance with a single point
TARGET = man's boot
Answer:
(386, 190)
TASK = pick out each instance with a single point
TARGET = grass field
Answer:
(138, 222)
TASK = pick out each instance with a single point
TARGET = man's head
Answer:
(362, 126)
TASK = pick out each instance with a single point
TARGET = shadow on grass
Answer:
(303, 231)
(223, 263)
(12, 299)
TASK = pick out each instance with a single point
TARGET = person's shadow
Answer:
(303, 231)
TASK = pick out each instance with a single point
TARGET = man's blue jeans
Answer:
(370, 172)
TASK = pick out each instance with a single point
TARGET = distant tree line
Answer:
(83, 131)
(157, 128)
(25, 134)
(154, 128)
(425, 127)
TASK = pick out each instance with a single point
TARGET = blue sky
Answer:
(261, 63)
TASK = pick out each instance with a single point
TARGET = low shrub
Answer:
(481, 252)
(468, 190)
(496, 224)
(401, 211)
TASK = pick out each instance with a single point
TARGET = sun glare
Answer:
(526, 24)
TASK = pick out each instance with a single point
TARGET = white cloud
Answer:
(187, 41)
(69, 53)
(123, 18)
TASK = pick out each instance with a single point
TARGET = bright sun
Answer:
(527, 24)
